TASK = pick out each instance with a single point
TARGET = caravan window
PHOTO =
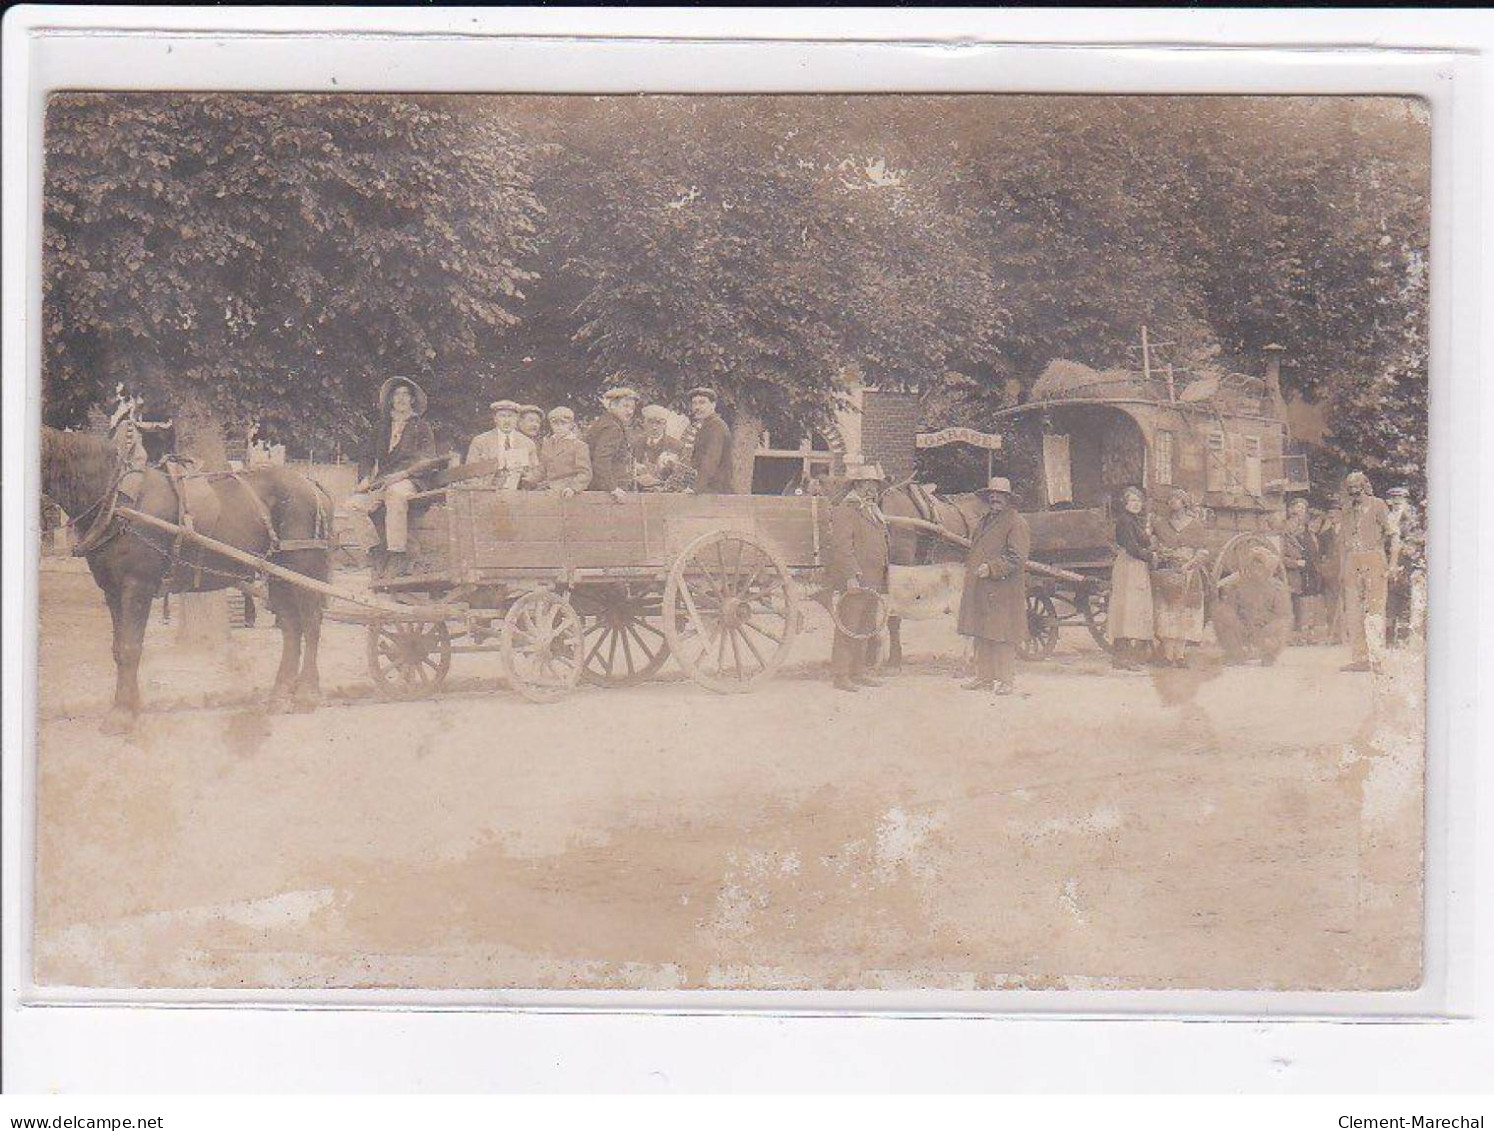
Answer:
(1252, 448)
(1162, 459)
(1058, 469)
(1216, 467)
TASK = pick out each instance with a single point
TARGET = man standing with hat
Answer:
(856, 572)
(513, 451)
(402, 447)
(1365, 526)
(611, 443)
(993, 604)
(564, 458)
(710, 454)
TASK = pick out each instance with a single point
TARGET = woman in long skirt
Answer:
(1178, 581)
(1130, 623)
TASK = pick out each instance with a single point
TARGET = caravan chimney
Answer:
(1273, 354)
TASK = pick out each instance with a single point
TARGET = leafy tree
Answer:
(277, 256)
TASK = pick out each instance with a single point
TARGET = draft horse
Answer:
(272, 512)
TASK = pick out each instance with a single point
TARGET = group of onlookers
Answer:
(1356, 569)
(612, 456)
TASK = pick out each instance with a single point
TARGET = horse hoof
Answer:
(117, 722)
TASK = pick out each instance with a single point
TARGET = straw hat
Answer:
(996, 486)
(386, 391)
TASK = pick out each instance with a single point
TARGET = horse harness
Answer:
(127, 486)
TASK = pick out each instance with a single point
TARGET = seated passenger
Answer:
(564, 459)
(514, 452)
(657, 451)
(531, 422)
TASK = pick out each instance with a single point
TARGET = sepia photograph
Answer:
(732, 542)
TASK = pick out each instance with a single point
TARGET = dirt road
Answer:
(1242, 827)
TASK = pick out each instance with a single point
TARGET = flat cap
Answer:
(526, 409)
(504, 406)
(561, 412)
(620, 393)
(702, 391)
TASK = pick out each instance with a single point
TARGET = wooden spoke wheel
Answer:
(622, 633)
(542, 646)
(408, 659)
(1042, 628)
(731, 611)
(1096, 607)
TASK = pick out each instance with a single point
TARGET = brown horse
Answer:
(272, 512)
(959, 514)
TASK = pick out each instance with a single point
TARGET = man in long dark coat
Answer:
(993, 605)
(611, 442)
(856, 570)
(710, 453)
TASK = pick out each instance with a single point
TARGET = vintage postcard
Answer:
(732, 542)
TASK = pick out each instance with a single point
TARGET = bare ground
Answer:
(1216, 828)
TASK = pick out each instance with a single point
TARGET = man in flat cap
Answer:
(855, 572)
(993, 605)
(1365, 527)
(400, 458)
(657, 450)
(610, 439)
(504, 445)
(564, 458)
(532, 422)
(710, 453)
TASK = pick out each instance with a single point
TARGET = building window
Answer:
(1162, 459)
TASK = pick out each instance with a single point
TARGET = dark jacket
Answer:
(995, 607)
(856, 546)
(1132, 536)
(710, 455)
(611, 454)
(417, 442)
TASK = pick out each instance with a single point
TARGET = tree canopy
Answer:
(281, 254)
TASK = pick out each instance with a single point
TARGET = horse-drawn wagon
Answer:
(589, 587)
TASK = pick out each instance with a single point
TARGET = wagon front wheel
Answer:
(408, 659)
(1042, 628)
(731, 611)
(542, 643)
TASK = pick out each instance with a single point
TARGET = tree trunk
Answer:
(744, 442)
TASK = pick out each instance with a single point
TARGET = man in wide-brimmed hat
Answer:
(993, 604)
(510, 451)
(610, 439)
(1365, 528)
(855, 572)
(564, 458)
(400, 458)
(710, 451)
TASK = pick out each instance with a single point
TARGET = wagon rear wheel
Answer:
(408, 659)
(542, 646)
(1096, 607)
(1042, 628)
(731, 611)
(622, 634)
